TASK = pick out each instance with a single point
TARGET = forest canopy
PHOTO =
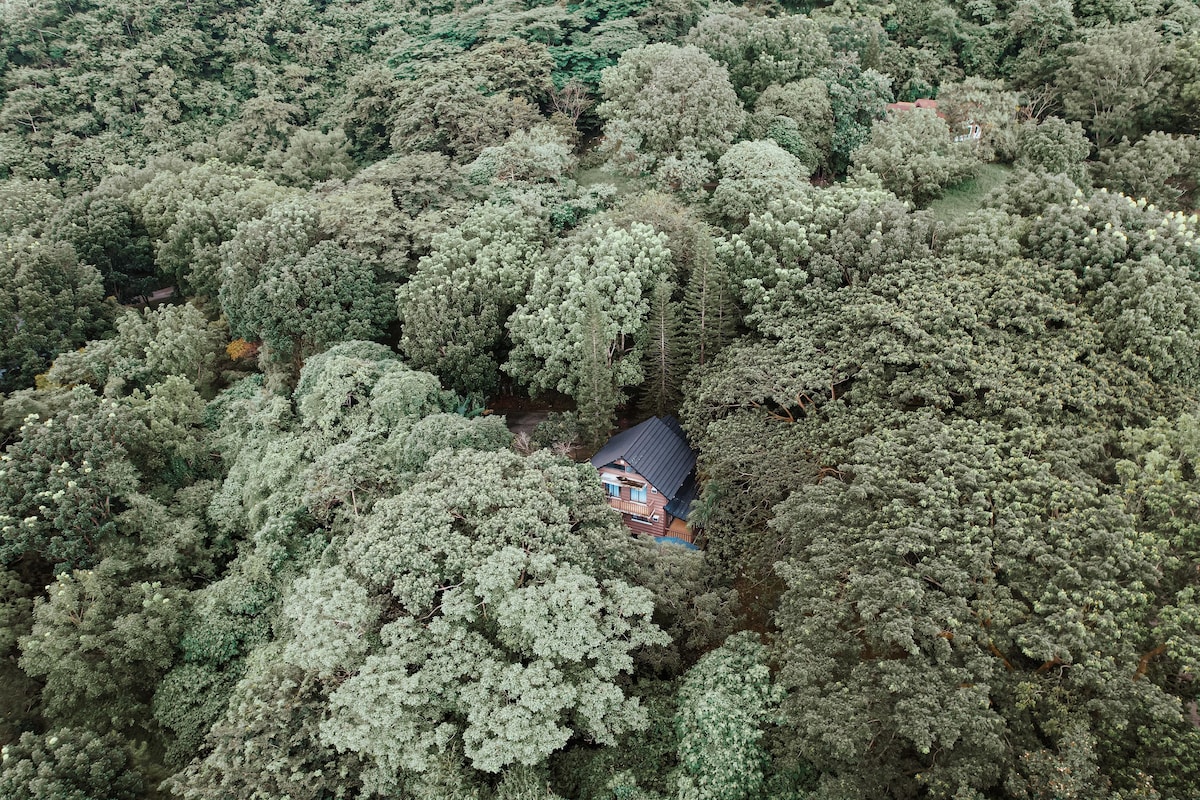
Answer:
(920, 280)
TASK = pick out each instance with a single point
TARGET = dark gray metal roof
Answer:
(681, 504)
(657, 450)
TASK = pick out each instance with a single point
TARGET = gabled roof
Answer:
(681, 504)
(657, 450)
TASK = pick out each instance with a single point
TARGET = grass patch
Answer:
(966, 197)
(624, 184)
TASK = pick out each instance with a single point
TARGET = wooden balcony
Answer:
(630, 507)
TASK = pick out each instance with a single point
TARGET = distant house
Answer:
(649, 473)
(970, 130)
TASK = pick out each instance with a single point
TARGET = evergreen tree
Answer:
(70, 764)
(455, 306)
(578, 330)
(663, 367)
(725, 701)
(38, 280)
(100, 644)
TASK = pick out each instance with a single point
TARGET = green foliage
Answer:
(691, 603)
(929, 322)
(100, 644)
(929, 660)
(914, 155)
(311, 157)
(641, 768)
(1027, 193)
(986, 105)
(663, 100)
(961, 200)
(1116, 81)
(725, 700)
(525, 783)
(753, 174)
(966, 436)
(587, 52)
(90, 86)
(38, 279)
(268, 744)
(190, 210)
(329, 617)
(799, 117)
(539, 154)
(1054, 147)
(662, 366)
(455, 306)
(460, 104)
(689, 239)
(15, 617)
(760, 51)
(69, 764)
(148, 348)
(577, 331)
(65, 480)
(188, 700)
(227, 620)
(26, 206)
(1163, 169)
(499, 558)
(857, 97)
(357, 386)
(107, 232)
(438, 432)
(560, 429)
(174, 539)
(286, 285)
(16, 620)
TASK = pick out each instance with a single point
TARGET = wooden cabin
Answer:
(649, 473)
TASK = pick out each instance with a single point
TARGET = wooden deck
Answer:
(630, 507)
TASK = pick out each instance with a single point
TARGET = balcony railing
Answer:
(630, 507)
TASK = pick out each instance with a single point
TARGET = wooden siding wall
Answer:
(656, 502)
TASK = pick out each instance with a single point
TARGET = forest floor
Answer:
(524, 421)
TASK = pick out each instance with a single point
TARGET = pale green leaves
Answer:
(576, 331)
(512, 637)
(522, 655)
(330, 615)
(662, 100)
(149, 347)
(725, 702)
(915, 156)
(455, 306)
(189, 213)
(753, 174)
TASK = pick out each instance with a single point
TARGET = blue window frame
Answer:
(637, 495)
(613, 489)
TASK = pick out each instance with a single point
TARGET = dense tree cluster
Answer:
(266, 270)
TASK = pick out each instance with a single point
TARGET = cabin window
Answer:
(613, 489)
(639, 518)
(637, 495)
